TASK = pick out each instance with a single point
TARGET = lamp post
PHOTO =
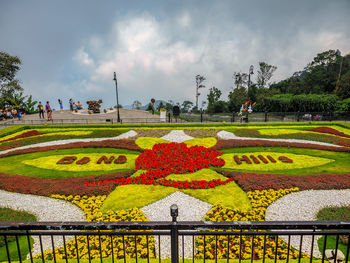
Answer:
(116, 90)
(251, 72)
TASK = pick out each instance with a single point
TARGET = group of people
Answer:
(73, 106)
(10, 114)
(41, 109)
(47, 109)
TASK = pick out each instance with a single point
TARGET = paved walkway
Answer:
(304, 206)
(45, 209)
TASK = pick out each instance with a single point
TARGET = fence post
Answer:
(169, 117)
(233, 117)
(298, 116)
(266, 116)
(201, 116)
(174, 212)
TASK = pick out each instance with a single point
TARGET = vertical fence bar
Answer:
(276, 247)
(312, 246)
(7, 249)
(100, 242)
(264, 252)
(204, 249)
(29, 247)
(76, 247)
(53, 249)
(216, 249)
(147, 248)
(228, 248)
(300, 247)
(65, 248)
(183, 248)
(252, 255)
(88, 244)
(193, 249)
(136, 248)
(288, 249)
(18, 249)
(160, 259)
(124, 249)
(324, 247)
(240, 247)
(112, 247)
(336, 249)
(41, 249)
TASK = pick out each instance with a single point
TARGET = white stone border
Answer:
(45, 209)
(303, 206)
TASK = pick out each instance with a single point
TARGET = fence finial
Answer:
(174, 212)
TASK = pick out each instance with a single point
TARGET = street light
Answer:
(251, 72)
(116, 89)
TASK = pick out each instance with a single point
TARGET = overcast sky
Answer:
(70, 49)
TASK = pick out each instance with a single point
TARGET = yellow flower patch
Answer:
(299, 161)
(149, 142)
(50, 162)
(260, 201)
(280, 131)
(205, 142)
(91, 206)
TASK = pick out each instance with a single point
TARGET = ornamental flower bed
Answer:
(23, 135)
(172, 158)
(233, 143)
(79, 246)
(64, 186)
(255, 181)
(329, 131)
(216, 246)
(121, 144)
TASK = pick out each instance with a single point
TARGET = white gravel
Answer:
(126, 135)
(177, 136)
(303, 206)
(190, 209)
(229, 135)
(45, 209)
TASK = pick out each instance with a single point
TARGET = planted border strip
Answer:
(121, 144)
(233, 143)
(255, 181)
(64, 186)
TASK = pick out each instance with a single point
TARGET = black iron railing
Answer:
(195, 241)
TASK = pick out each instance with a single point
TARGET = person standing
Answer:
(61, 105)
(41, 110)
(71, 104)
(48, 111)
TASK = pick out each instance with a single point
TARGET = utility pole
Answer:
(116, 89)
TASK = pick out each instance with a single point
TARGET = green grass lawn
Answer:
(9, 215)
(334, 213)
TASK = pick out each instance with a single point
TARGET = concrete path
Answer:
(304, 206)
(45, 209)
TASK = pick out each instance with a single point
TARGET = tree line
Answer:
(323, 85)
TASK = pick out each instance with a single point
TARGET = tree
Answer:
(265, 73)
(186, 105)
(241, 79)
(160, 106)
(199, 85)
(236, 98)
(9, 66)
(136, 104)
(214, 104)
(343, 90)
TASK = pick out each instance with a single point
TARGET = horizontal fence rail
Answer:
(155, 241)
(199, 118)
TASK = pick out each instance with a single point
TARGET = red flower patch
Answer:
(24, 135)
(329, 131)
(168, 158)
(255, 181)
